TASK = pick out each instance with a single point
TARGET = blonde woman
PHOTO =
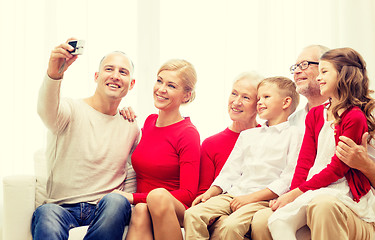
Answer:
(166, 159)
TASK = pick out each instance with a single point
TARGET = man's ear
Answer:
(132, 82)
(287, 102)
(96, 76)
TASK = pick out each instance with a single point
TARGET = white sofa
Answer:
(22, 194)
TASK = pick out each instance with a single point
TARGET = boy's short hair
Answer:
(287, 87)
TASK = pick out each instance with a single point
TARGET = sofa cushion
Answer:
(77, 233)
(19, 192)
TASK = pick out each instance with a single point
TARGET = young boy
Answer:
(260, 168)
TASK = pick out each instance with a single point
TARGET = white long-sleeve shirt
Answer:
(86, 150)
(297, 119)
(262, 158)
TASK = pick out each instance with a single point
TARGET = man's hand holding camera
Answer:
(62, 57)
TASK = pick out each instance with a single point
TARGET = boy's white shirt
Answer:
(263, 157)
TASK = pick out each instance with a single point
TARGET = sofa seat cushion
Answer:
(77, 233)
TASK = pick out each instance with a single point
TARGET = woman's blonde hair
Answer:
(186, 71)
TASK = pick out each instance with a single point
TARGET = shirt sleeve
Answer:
(189, 160)
(353, 127)
(207, 169)
(232, 167)
(282, 185)
(54, 113)
(139, 198)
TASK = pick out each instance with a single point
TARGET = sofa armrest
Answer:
(19, 205)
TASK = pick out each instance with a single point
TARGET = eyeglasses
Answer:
(302, 65)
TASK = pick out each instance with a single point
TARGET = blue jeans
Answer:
(106, 220)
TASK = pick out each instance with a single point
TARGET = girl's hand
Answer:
(272, 202)
(128, 114)
(285, 199)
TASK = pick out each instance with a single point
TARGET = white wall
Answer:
(223, 38)
(220, 37)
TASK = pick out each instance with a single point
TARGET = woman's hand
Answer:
(211, 192)
(128, 114)
(285, 199)
(198, 199)
(128, 196)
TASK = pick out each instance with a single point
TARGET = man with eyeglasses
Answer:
(305, 72)
(327, 217)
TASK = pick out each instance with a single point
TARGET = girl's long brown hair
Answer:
(353, 84)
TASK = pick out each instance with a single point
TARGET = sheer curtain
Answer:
(222, 38)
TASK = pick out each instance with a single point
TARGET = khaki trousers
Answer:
(233, 227)
(327, 218)
(214, 232)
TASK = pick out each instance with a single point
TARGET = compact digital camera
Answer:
(78, 46)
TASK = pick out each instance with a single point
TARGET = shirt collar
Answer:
(278, 127)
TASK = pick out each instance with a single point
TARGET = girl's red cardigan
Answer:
(353, 124)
